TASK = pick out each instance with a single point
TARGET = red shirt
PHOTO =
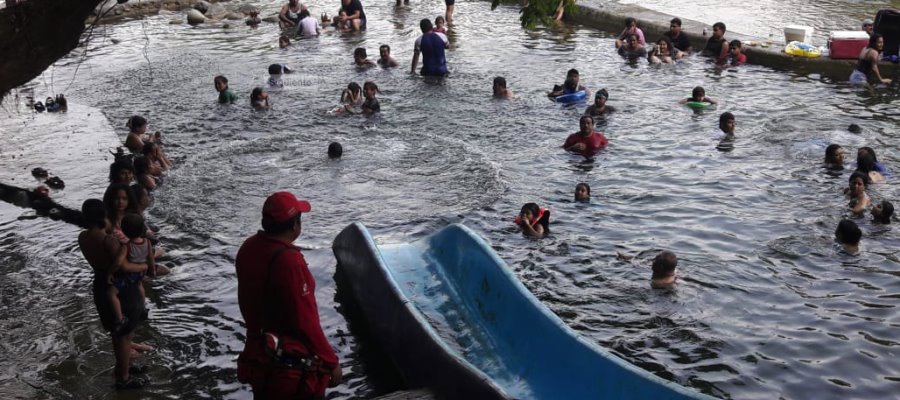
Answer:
(289, 298)
(592, 143)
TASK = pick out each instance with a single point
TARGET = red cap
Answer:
(282, 206)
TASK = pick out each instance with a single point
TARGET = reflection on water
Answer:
(765, 307)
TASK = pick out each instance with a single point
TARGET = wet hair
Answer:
(139, 192)
(117, 167)
(133, 225)
(109, 197)
(275, 228)
(439, 19)
(371, 85)
(141, 165)
(719, 25)
(384, 46)
(585, 186)
(887, 210)
(675, 21)
(587, 117)
(136, 122)
(847, 232)
(304, 13)
(601, 93)
(865, 162)
(335, 150)
(256, 94)
(860, 175)
(725, 117)
(831, 153)
(354, 88)
(629, 21)
(284, 39)
(221, 78)
(869, 150)
(734, 44)
(500, 81)
(93, 213)
(534, 209)
(572, 72)
(698, 92)
(873, 40)
(854, 128)
(276, 69)
(664, 264)
(360, 52)
(425, 25)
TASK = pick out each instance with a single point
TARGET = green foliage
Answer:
(538, 12)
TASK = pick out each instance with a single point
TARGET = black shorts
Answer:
(449, 2)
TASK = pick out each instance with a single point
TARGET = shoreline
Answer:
(140, 8)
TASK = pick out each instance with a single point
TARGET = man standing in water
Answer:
(286, 355)
(431, 45)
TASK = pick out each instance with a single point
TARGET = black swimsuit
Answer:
(130, 299)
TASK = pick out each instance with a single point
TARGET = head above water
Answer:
(586, 123)
(882, 212)
(869, 150)
(359, 54)
(734, 44)
(698, 93)
(859, 176)
(876, 41)
(719, 29)
(500, 82)
(664, 264)
(572, 73)
(854, 128)
(133, 226)
(727, 122)
(865, 162)
(439, 21)
(384, 50)
(630, 22)
(221, 82)
(257, 94)
(848, 232)
(93, 213)
(136, 123)
(121, 171)
(582, 192)
(834, 154)
(276, 69)
(335, 150)
(425, 25)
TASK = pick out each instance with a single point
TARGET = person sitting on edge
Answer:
(439, 25)
(848, 235)
(500, 90)
(335, 150)
(834, 157)
(717, 46)
(121, 171)
(599, 109)
(664, 265)
(308, 26)
(583, 192)
(361, 59)
(882, 212)
(869, 26)
(259, 99)
(290, 14)
(865, 163)
(735, 55)
(664, 52)
(226, 96)
(633, 49)
(878, 166)
(534, 220)
(284, 42)
(630, 29)
(431, 45)
(571, 85)
(698, 95)
(587, 141)
(353, 14)
(859, 200)
(386, 61)
(678, 38)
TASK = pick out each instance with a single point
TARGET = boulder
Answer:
(248, 8)
(194, 17)
(234, 16)
(216, 11)
(201, 6)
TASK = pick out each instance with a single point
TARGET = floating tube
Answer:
(571, 97)
(698, 105)
(800, 49)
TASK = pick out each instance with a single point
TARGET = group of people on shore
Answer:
(674, 45)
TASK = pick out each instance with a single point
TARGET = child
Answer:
(283, 42)
(137, 251)
(664, 265)
(275, 74)
(335, 150)
(534, 221)
(226, 96)
(254, 19)
(727, 124)
(360, 59)
(882, 212)
(386, 61)
(630, 29)
(735, 56)
(352, 95)
(500, 89)
(370, 106)
(834, 157)
(259, 99)
(698, 95)
(582, 192)
(439, 25)
(848, 235)
(859, 200)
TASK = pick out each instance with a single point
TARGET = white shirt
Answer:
(308, 26)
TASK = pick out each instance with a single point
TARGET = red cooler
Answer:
(847, 45)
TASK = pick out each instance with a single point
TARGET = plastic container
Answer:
(846, 45)
(798, 33)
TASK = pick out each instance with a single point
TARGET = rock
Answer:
(194, 17)
(215, 11)
(201, 6)
(234, 16)
(270, 19)
(115, 41)
(247, 9)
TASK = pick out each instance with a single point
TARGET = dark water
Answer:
(766, 307)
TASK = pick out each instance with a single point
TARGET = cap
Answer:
(868, 22)
(282, 206)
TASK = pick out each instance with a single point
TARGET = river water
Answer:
(766, 307)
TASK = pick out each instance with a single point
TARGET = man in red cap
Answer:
(286, 355)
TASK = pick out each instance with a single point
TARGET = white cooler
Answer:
(798, 33)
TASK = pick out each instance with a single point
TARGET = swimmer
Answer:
(335, 150)
(253, 21)
(583, 192)
(121, 171)
(834, 157)
(571, 85)
(284, 42)
(439, 25)
(630, 29)
(727, 124)
(386, 61)
(226, 96)
(308, 26)
(370, 106)
(534, 221)
(599, 109)
(137, 126)
(698, 95)
(848, 235)
(859, 200)
(878, 166)
(586, 141)
(882, 212)
(632, 49)
(275, 74)
(500, 89)
(361, 60)
(735, 55)
(351, 97)
(664, 52)
(259, 99)
(865, 163)
(663, 266)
